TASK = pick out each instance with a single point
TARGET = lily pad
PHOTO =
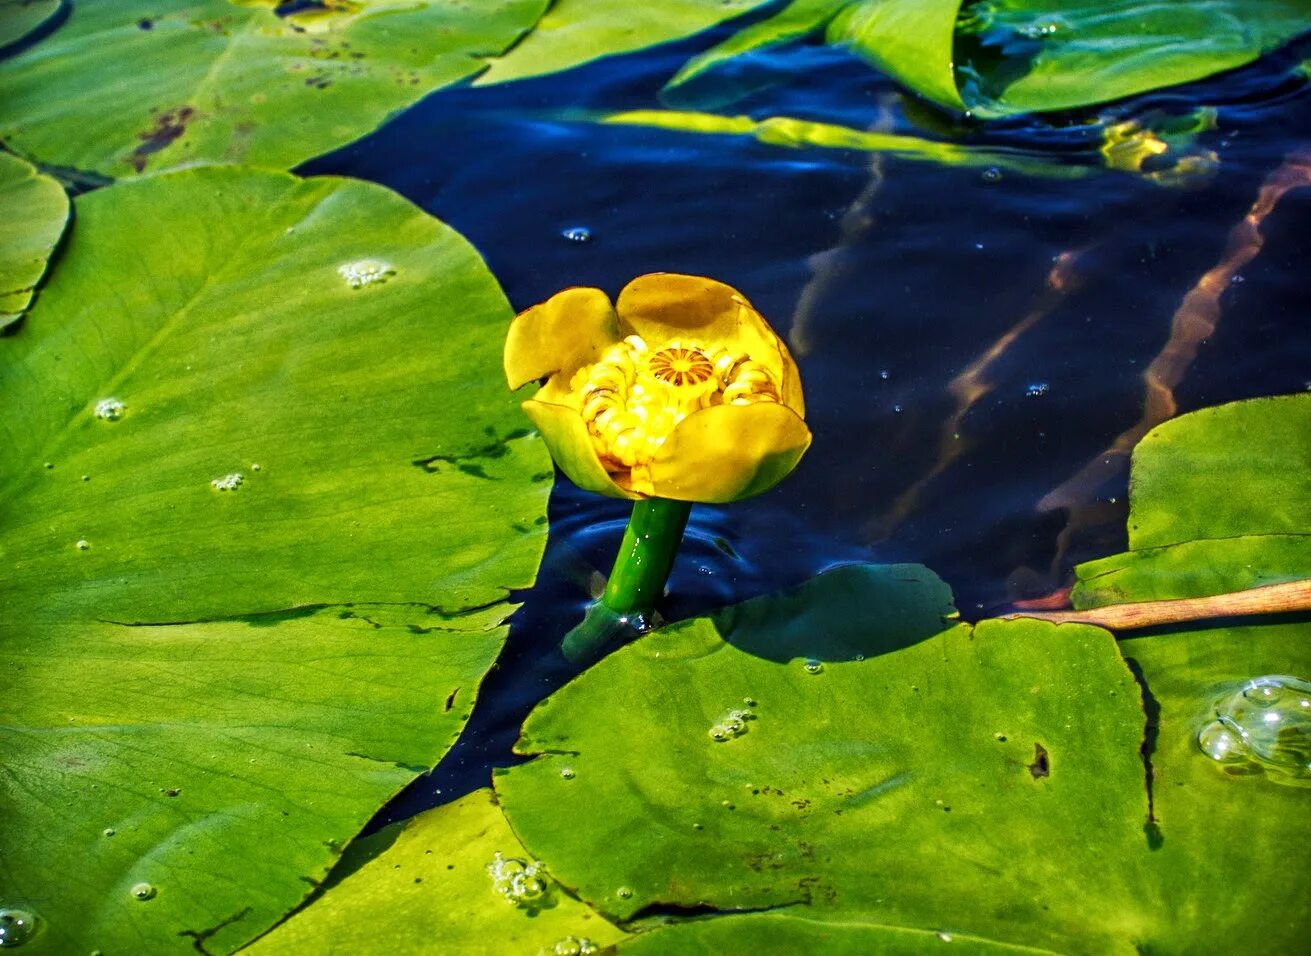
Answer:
(573, 32)
(946, 783)
(235, 81)
(1220, 500)
(18, 18)
(33, 213)
(922, 788)
(996, 59)
(258, 541)
(428, 885)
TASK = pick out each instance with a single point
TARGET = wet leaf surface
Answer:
(258, 538)
(424, 886)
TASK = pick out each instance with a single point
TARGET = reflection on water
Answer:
(972, 342)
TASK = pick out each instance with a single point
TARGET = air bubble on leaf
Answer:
(624, 893)
(521, 882)
(577, 234)
(364, 272)
(109, 409)
(82, 544)
(812, 666)
(228, 482)
(567, 773)
(574, 946)
(142, 891)
(108, 831)
(17, 926)
(1265, 725)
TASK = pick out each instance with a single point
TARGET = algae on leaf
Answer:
(134, 86)
(33, 213)
(424, 886)
(258, 535)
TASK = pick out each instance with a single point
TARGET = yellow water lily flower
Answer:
(680, 390)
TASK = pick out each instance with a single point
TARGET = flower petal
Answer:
(566, 438)
(662, 306)
(559, 336)
(728, 452)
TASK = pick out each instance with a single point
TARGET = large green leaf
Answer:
(948, 781)
(258, 533)
(140, 85)
(33, 213)
(913, 779)
(425, 887)
(1017, 56)
(1220, 501)
(573, 32)
(18, 18)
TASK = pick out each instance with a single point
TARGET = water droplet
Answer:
(50, 464)
(82, 544)
(624, 893)
(574, 946)
(86, 477)
(1264, 725)
(16, 927)
(1037, 389)
(108, 831)
(229, 482)
(577, 234)
(732, 724)
(991, 175)
(567, 773)
(364, 272)
(749, 701)
(898, 409)
(811, 666)
(945, 937)
(110, 409)
(521, 882)
(884, 374)
(254, 467)
(142, 891)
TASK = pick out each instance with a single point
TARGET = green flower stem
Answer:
(646, 555)
(636, 582)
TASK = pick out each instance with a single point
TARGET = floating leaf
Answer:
(426, 883)
(33, 213)
(235, 82)
(947, 782)
(258, 537)
(1018, 56)
(943, 783)
(573, 32)
(1220, 501)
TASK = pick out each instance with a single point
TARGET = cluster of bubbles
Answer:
(733, 723)
(521, 882)
(16, 927)
(577, 234)
(365, 272)
(574, 946)
(1263, 726)
(228, 482)
(109, 409)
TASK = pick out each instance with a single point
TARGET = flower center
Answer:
(633, 397)
(680, 366)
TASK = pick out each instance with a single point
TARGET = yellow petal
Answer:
(567, 440)
(728, 452)
(559, 336)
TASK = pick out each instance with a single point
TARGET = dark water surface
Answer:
(890, 277)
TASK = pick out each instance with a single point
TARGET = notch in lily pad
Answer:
(677, 393)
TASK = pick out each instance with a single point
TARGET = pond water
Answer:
(972, 339)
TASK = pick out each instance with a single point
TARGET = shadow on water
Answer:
(972, 338)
